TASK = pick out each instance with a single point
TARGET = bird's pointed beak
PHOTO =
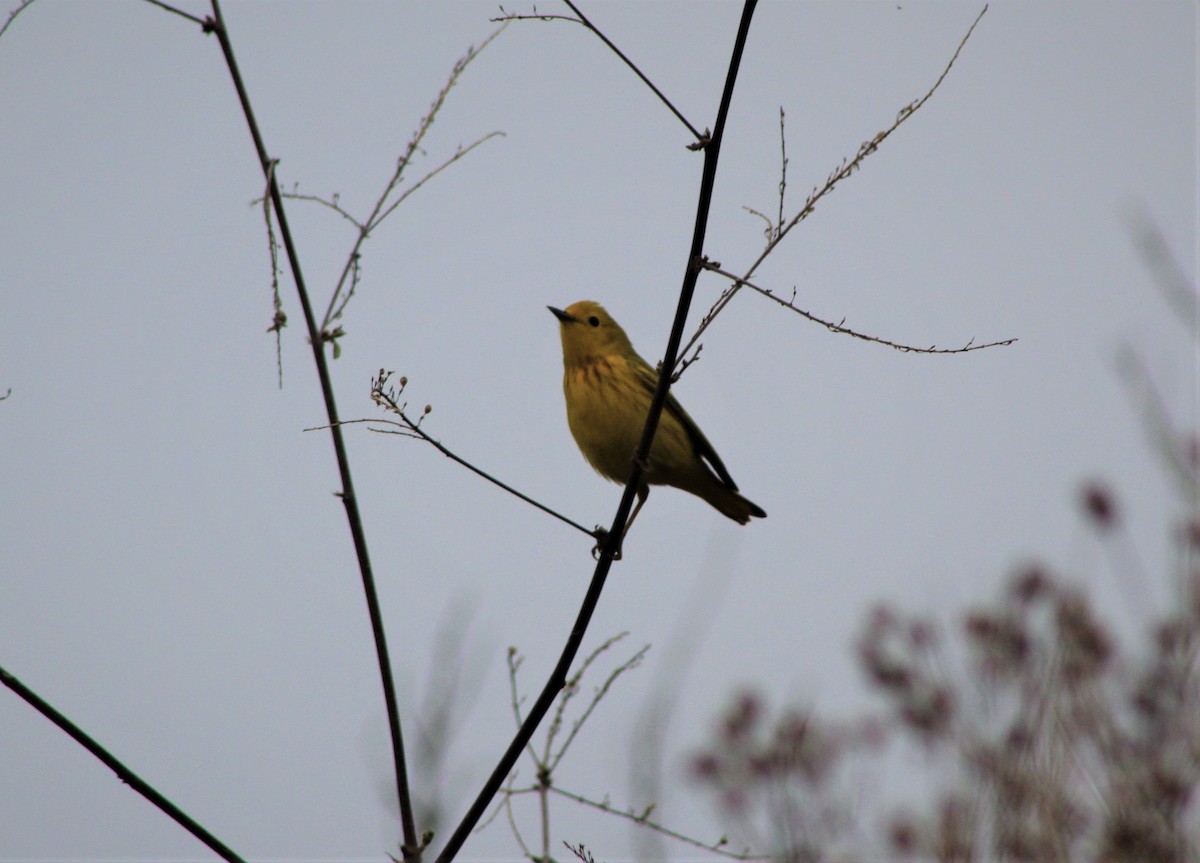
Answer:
(563, 316)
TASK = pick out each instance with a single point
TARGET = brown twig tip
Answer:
(581, 852)
(1099, 505)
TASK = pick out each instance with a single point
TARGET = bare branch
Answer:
(840, 326)
(123, 773)
(629, 664)
(583, 20)
(516, 831)
(23, 5)
(642, 819)
(331, 202)
(783, 163)
(835, 177)
(514, 665)
(387, 398)
(458, 154)
(279, 319)
(338, 299)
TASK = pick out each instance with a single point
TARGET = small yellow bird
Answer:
(608, 389)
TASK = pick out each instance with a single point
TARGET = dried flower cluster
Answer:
(1067, 745)
(774, 780)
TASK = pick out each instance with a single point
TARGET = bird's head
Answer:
(589, 332)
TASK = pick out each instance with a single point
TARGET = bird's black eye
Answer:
(594, 321)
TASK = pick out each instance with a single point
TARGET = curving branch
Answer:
(778, 230)
(21, 7)
(840, 326)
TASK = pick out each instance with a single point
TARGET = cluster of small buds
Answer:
(898, 658)
(1085, 647)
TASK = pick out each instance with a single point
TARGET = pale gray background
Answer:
(177, 576)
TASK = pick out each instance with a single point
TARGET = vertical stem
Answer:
(544, 800)
(411, 847)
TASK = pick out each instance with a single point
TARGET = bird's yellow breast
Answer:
(607, 402)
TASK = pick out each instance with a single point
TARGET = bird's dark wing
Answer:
(649, 379)
(704, 449)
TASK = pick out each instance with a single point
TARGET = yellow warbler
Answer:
(608, 389)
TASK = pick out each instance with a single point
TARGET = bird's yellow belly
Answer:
(607, 419)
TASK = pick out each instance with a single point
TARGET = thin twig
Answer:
(331, 203)
(516, 831)
(386, 398)
(629, 664)
(840, 326)
(458, 154)
(514, 665)
(338, 299)
(570, 690)
(783, 163)
(412, 843)
(585, 22)
(177, 11)
(21, 7)
(609, 546)
(835, 177)
(123, 773)
(279, 319)
(643, 820)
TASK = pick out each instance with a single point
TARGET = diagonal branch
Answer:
(642, 819)
(597, 695)
(123, 773)
(24, 4)
(387, 398)
(174, 10)
(584, 21)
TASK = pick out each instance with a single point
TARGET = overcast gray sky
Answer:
(178, 576)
